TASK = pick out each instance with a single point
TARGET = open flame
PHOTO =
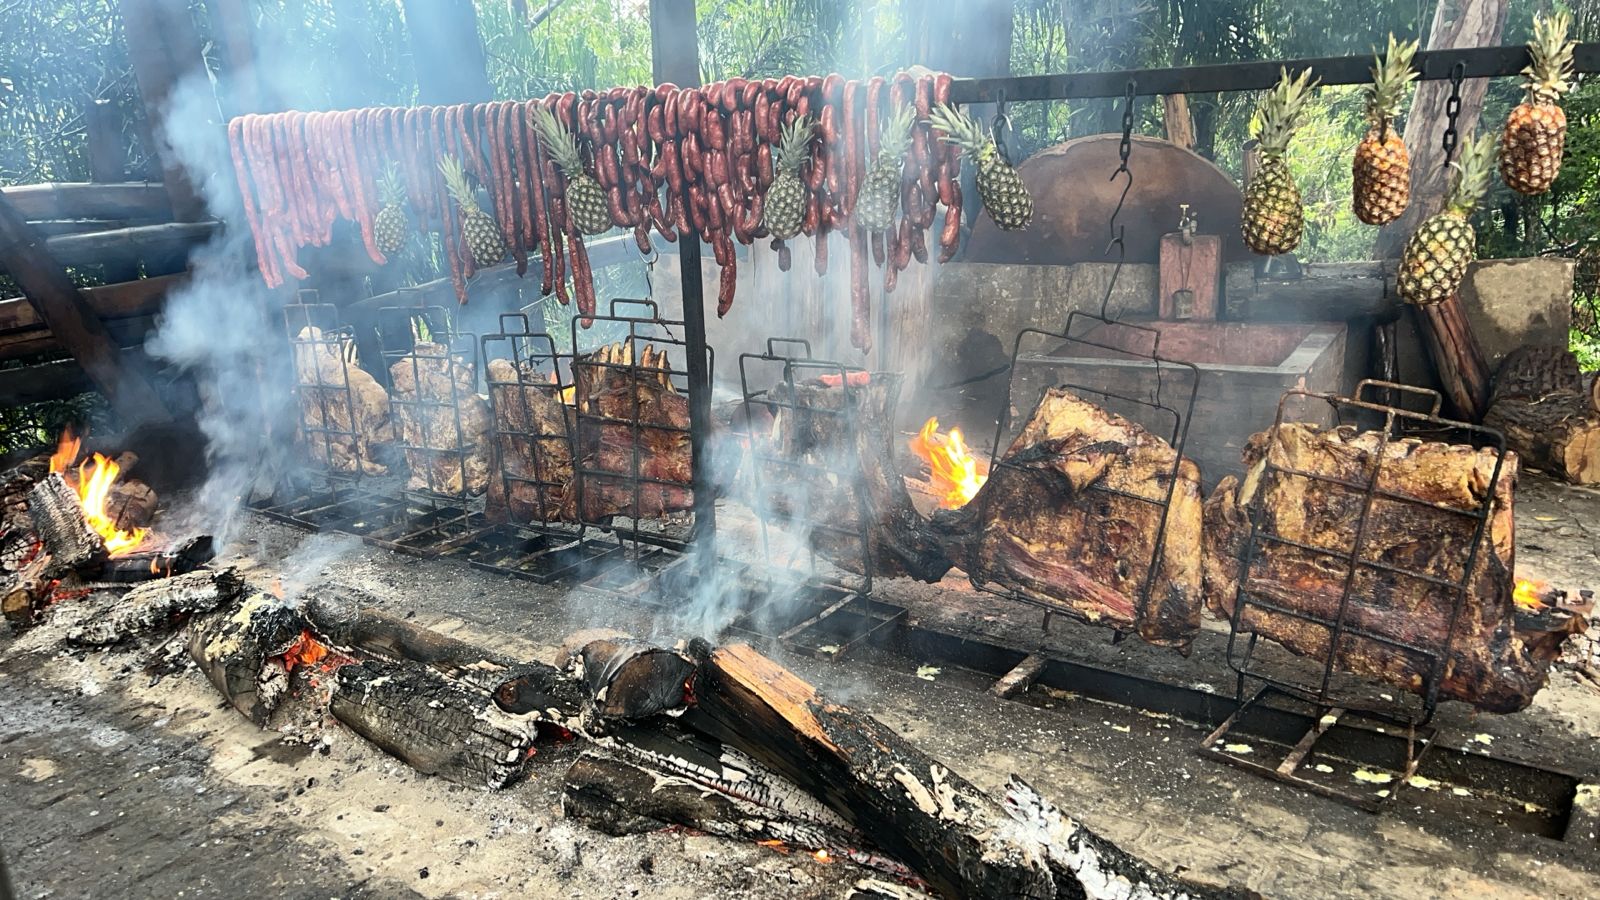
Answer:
(95, 479)
(1527, 594)
(305, 651)
(955, 475)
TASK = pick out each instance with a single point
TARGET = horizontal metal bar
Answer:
(1479, 62)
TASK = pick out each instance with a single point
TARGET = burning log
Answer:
(344, 411)
(26, 588)
(531, 458)
(1547, 413)
(1071, 519)
(619, 400)
(1489, 664)
(436, 725)
(443, 422)
(159, 563)
(58, 517)
(157, 604)
(816, 424)
(917, 810)
(240, 651)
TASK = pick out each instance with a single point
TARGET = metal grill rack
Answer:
(1338, 716)
(1165, 412)
(650, 495)
(322, 351)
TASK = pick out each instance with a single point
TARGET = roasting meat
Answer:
(612, 392)
(444, 422)
(346, 419)
(1047, 525)
(533, 445)
(1489, 665)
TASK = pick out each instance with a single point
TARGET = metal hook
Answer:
(1000, 125)
(1118, 231)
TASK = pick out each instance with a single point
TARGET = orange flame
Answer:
(955, 474)
(1526, 594)
(305, 651)
(94, 489)
(822, 856)
(66, 451)
(774, 844)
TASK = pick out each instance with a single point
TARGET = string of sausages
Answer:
(669, 159)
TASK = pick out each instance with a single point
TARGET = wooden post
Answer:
(165, 49)
(108, 158)
(448, 52)
(1179, 124)
(67, 312)
(233, 29)
(675, 57)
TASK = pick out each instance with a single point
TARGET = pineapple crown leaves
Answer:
(562, 147)
(1281, 113)
(1472, 173)
(1392, 74)
(794, 141)
(389, 186)
(455, 181)
(896, 134)
(961, 129)
(1547, 76)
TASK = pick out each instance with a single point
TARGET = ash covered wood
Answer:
(239, 649)
(629, 678)
(159, 562)
(531, 454)
(442, 421)
(158, 605)
(58, 517)
(1489, 663)
(1055, 523)
(437, 725)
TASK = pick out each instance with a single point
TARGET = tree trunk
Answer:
(165, 50)
(1179, 124)
(1456, 23)
(1462, 370)
(447, 52)
(971, 39)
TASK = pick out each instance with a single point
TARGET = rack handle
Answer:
(1436, 399)
(772, 346)
(516, 318)
(655, 311)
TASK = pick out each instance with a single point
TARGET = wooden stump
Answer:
(1463, 371)
(1547, 413)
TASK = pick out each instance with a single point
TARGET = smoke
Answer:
(312, 561)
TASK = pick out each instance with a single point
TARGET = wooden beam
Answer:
(165, 247)
(165, 49)
(126, 333)
(47, 381)
(88, 200)
(72, 320)
(109, 301)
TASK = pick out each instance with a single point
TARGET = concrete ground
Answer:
(113, 784)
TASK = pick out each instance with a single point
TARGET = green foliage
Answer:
(1586, 347)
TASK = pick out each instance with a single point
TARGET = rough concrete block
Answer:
(1238, 289)
(1516, 302)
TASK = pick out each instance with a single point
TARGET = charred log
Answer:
(73, 546)
(632, 679)
(145, 565)
(437, 725)
(158, 605)
(25, 589)
(1489, 665)
(443, 423)
(916, 809)
(1071, 518)
(240, 651)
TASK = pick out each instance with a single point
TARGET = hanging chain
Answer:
(1118, 231)
(1452, 111)
(1001, 126)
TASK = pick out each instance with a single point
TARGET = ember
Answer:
(306, 651)
(955, 475)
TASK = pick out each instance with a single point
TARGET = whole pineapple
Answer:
(1273, 217)
(586, 202)
(1536, 131)
(880, 193)
(1436, 257)
(478, 229)
(785, 208)
(999, 186)
(391, 228)
(1382, 170)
